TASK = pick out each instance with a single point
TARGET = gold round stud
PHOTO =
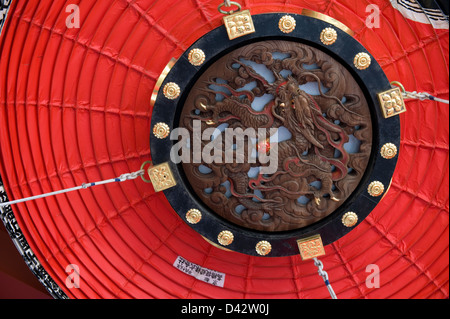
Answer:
(389, 151)
(225, 238)
(362, 61)
(193, 216)
(263, 248)
(161, 130)
(349, 219)
(171, 91)
(375, 189)
(287, 24)
(196, 57)
(328, 36)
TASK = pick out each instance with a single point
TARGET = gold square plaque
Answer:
(311, 247)
(392, 102)
(161, 177)
(239, 24)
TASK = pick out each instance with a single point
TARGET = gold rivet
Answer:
(263, 248)
(196, 57)
(161, 130)
(389, 151)
(328, 36)
(160, 80)
(375, 189)
(287, 24)
(362, 61)
(193, 216)
(349, 219)
(171, 91)
(225, 238)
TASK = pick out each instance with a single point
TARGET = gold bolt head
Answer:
(263, 248)
(389, 151)
(349, 219)
(171, 91)
(196, 57)
(161, 130)
(225, 238)
(375, 189)
(287, 24)
(328, 36)
(194, 216)
(362, 61)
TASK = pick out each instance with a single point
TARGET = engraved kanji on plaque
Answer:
(239, 24)
(392, 102)
(161, 177)
(311, 247)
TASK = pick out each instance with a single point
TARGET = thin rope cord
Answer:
(121, 178)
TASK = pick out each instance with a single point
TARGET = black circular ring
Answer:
(372, 81)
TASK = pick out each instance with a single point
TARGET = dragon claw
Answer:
(317, 200)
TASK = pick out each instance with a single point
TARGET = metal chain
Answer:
(121, 178)
(422, 96)
(131, 176)
(417, 95)
(324, 275)
(228, 4)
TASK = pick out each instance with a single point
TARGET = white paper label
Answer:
(209, 276)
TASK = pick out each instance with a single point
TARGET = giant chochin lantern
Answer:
(245, 147)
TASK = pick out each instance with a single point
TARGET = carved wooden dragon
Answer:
(320, 126)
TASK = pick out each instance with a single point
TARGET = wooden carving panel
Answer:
(309, 95)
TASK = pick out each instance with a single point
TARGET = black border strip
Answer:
(24, 249)
(10, 221)
(4, 9)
